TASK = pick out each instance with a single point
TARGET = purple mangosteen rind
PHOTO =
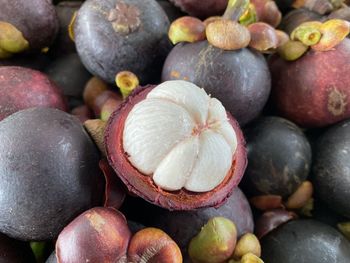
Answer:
(144, 187)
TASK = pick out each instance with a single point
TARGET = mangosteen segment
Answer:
(175, 146)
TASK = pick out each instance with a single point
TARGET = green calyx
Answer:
(249, 16)
(307, 35)
(11, 40)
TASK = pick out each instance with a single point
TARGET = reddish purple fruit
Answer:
(313, 91)
(22, 88)
(98, 235)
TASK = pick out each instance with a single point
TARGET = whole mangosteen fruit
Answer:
(22, 88)
(312, 91)
(49, 173)
(279, 157)
(176, 147)
(29, 18)
(305, 241)
(331, 166)
(240, 79)
(116, 35)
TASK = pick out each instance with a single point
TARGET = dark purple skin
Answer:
(239, 79)
(284, 5)
(297, 16)
(14, 251)
(279, 157)
(331, 166)
(69, 74)
(104, 51)
(49, 173)
(183, 226)
(32, 17)
(305, 241)
(63, 44)
(200, 8)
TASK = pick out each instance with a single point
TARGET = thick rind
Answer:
(143, 185)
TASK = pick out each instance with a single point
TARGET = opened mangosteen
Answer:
(312, 89)
(22, 88)
(21, 20)
(331, 168)
(116, 35)
(305, 241)
(176, 147)
(279, 157)
(224, 67)
(49, 173)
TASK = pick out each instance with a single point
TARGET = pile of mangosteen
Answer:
(139, 131)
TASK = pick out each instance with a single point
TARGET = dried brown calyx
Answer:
(125, 18)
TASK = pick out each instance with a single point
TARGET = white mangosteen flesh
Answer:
(181, 137)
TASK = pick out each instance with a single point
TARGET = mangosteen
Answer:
(116, 35)
(64, 44)
(27, 18)
(331, 166)
(175, 146)
(305, 241)
(23, 88)
(223, 66)
(14, 251)
(49, 173)
(201, 9)
(279, 157)
(69, 74)
(312, 91)
(182, 226)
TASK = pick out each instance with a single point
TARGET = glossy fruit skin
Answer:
(48, 175)
(144, 187)
(182, 226)
(105, 52)
(331, 168)
(313, 90)
(279, 157)
(305, 241)
(69, 74)
(22, 88)
(239, 79)
(200, 8)
(31, 17)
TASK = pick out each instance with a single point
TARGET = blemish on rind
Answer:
(336, 102)
(96, 221)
